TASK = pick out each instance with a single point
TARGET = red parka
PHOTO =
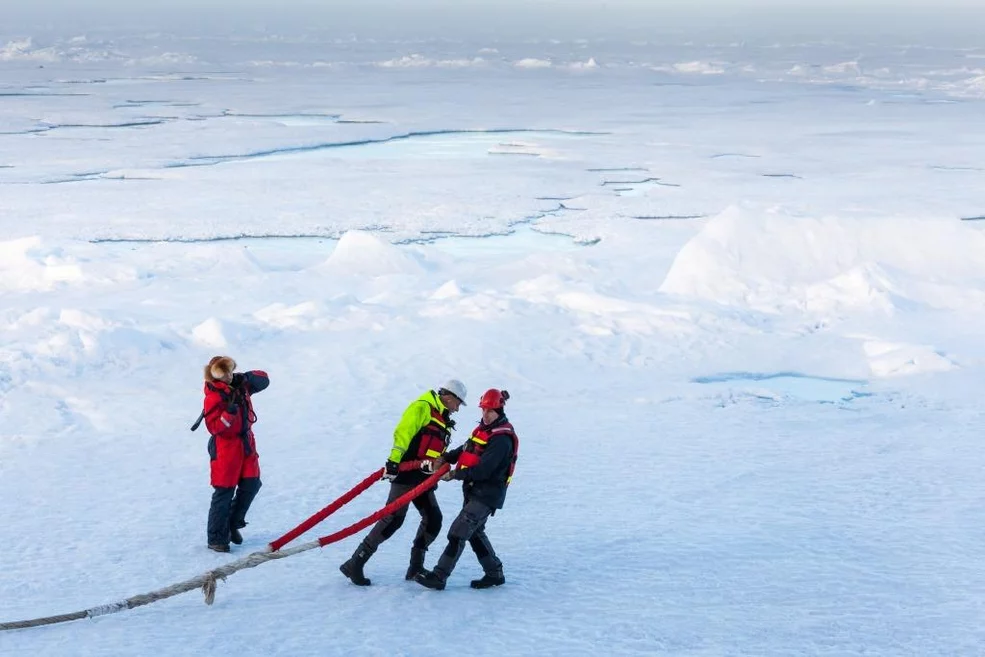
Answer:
(229, 417)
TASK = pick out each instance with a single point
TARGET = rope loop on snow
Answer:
(208, 588)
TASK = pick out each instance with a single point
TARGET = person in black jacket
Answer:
(485, 468)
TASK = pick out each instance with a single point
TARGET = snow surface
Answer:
(736, 292)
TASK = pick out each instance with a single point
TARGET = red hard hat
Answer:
(493, 399)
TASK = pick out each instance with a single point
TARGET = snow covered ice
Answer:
(736, 290)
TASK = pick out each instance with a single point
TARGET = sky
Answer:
(518, 18)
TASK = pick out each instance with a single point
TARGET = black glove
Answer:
(391, 471)
(239, 381)
(450, 424)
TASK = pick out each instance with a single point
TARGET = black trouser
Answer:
(427, 531)
(470, 525)
(229, 507)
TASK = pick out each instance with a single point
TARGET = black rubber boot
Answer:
(234, 534)
(353, 568)
(431, 580)
(416, 564)
(488, 581)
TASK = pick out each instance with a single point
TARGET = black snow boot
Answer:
(353, 568)
(416, 564)
(431, 580)
(488, 581)
(234, 534)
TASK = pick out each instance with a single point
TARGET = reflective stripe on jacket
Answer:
(423, 432)
(486, 462)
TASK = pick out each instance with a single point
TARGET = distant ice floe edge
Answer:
(692, 67)
(77, 51)
(417, 60)
(964, 82)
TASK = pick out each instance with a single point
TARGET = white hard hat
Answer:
(457, 388)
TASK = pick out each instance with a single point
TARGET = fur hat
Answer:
(219, 368)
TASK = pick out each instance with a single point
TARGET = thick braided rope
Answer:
(206, 582)
(209, 581)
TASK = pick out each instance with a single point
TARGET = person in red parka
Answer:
(234, 462)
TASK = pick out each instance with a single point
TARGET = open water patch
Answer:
(301, 119)
(720, 155)
(944, 167)
(426, 144)
(777, 386)
(635, 187)
(23, 94)
(522, 240)
(140, 123)
(667, 217)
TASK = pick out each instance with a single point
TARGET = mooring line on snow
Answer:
(208, 581)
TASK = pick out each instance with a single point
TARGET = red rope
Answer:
(403, 500)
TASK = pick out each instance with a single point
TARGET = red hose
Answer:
(327, 511)
(338, 504)
(403, 500)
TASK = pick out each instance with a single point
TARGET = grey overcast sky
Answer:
(506, 18)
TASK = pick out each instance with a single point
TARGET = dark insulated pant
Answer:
(427, 531)
(470, 525)
(229, 507)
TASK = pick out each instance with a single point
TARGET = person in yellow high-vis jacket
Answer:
(421, 437)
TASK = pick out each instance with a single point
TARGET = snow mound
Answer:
(865, 286)
(24, 50)
(693, 68)
(87, 327)
(420, 61)
(532, 62)
(164, 59)
(701, 68)
(360, 253)
(303, 316)
(775, 262)
(210, 334)
(26, 266)
(583, 66)
(844, 67)
(449, 290)
(47, 339)
(887, 359)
